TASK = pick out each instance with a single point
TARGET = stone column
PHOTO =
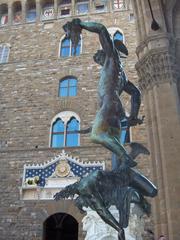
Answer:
(23, 11)
(110, 5)
(55, 8)
(73, 7)
(38, 10)
(157, 78)
(91, 6)
(162, 102)
(10, 13)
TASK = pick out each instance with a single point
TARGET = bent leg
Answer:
(132, 90)
(143, 185)
(108, 136)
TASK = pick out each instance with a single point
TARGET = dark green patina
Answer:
(123, 185)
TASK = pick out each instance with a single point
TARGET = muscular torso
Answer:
(112, 80)
(111, 84)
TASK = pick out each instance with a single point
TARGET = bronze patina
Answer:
(123, 184)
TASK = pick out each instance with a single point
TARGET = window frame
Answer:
(17, 11)
(64, 6)
(4, 46)
(3, 14)
(70, 48)
(119, 32)
(124, 7)
(97, 5)
(81, 3)
(67, 78)
(46, 6)
(30, 11)
(65, 116)
(112, 31)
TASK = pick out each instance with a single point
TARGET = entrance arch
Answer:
(60, 226)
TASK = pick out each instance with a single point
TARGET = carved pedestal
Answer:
(96, 229)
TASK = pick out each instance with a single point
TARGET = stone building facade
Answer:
(31, 70)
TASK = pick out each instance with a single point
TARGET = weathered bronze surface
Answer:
(123, 185)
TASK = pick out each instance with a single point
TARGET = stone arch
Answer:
(65, 116)
(113, 30)
(58, 226)
(65, 206)
(17, 12)
(31, 10)
(3, 14)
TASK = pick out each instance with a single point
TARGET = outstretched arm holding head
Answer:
(104, 37)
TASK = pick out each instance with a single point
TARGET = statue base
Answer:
(97, 229)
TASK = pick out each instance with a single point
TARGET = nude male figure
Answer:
(106, 127)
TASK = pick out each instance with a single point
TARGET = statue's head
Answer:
(67, 28)
(99, 57)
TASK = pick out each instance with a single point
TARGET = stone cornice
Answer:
(156, 67)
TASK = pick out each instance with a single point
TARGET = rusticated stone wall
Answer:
(29, 100)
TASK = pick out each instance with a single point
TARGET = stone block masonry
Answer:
(29, 100)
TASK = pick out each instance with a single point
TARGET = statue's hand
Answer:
(135, 121)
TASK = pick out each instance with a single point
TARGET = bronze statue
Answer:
(122, 185)
(106, 126)
(102, 189)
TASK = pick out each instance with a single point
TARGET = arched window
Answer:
(17, 12)
(60, 226)
(31, 11)
(58, 133)
(71, 136)
(116, 33)
(118, 36)
(66, 49)
(3, 14)
(4, 53)
(64, 130)
(68, 87)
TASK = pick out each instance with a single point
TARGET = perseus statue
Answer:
(113, 81)
(122, 185)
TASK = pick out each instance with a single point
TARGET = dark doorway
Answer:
(60, 226)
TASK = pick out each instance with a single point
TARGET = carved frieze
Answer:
(42, 181)
(157, 67)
